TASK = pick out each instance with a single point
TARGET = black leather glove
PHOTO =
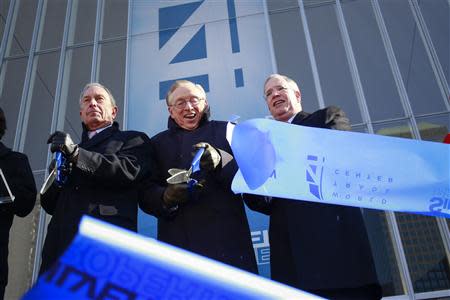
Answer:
(176, 194)
(210, 158)
(61, 141)
(336, 119)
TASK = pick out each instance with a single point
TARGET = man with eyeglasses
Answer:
(206, 218)
(320, 248)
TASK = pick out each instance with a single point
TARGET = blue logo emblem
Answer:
(314, 175)
(171, 19)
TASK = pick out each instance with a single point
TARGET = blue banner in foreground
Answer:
(107, 262)
(347, 168)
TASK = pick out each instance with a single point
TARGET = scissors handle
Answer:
(195, 165)
(60, 160)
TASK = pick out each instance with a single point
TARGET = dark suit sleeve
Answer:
(262, 204)
(152, 190)
(128, 165)
(49, 199)
(23, 187)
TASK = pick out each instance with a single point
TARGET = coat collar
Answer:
(99, 137)
(300, 116)
(4, 150)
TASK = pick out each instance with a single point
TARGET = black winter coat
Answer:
(315, 246)
(103, 184)
(213, 222)
(20, 179)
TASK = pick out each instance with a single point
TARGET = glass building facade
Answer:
(385, 62)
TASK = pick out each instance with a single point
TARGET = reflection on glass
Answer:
(331, 59)
(53, 25)
(377, 81)
(115, 18)
(4, 6)
(78, 74)
(437, 15)
(422, 242)
(82, 21)
(11, 93)
(383, 252)
(291, 53)
(111, 71)
(23, 28)
(42, 102)
(417, 74)
(425, 253)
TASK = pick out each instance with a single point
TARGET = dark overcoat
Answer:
(213, 222)
(103, 184)
(316, 246)
(20, 179)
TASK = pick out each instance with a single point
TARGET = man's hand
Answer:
(61, 141)
(210, 158)
(176, 194)
(336, 119)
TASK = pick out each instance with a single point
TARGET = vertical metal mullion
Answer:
(362, 102)
(312, 58)
(270, 37)
(127, 67)
(98, 21)
(404, 99)
(7, 36)
(25, 103)
(431, 52)
(395, 232)
(58, 116)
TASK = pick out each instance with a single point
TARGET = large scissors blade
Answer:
(49, 181)
(180, 177)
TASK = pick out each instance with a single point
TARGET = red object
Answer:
(447, 139)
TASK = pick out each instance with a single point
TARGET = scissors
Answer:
(184, 176)
(55, 174)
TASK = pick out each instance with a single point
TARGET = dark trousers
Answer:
(368, 292)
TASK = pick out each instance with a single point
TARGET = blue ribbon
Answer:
(347, 168)
(107, 262)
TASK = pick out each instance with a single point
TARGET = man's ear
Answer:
(298, 95)
(114, 112)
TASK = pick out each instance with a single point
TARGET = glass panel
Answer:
(437, 15)
(425, 252)
(422, 242)
(112, 71)
(23, 27)
(395, 128)
(332, 64)
(359, 128)
(418, 77)
(77, 75)
(383, 252)
(42, 101)
(115, 18)
(82, 21)
(434, 128)
(10, 95)
(4, 7)
(376, 76)
(290, 49)
(53, 25)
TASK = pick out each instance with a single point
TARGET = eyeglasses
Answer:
(278, 88)
(181, 103)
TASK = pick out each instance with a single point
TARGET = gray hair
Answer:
(96, 84)
(181, 82)
(289, 81)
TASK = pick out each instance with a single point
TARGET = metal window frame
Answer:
(58, 116)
